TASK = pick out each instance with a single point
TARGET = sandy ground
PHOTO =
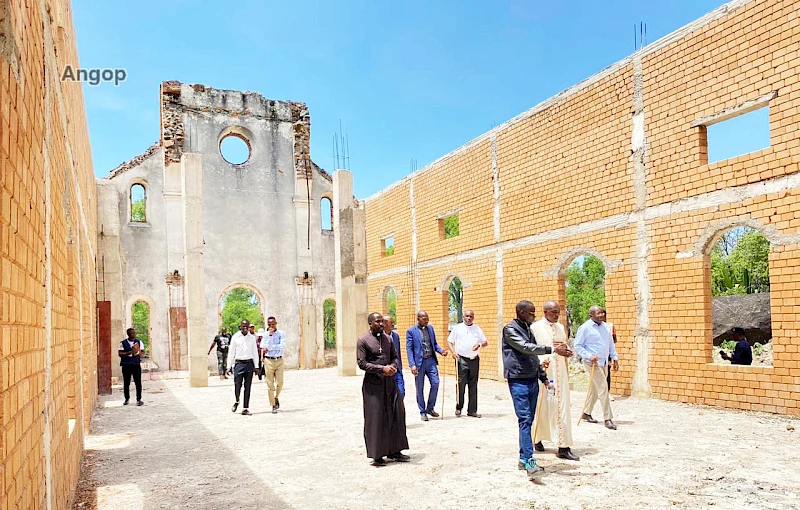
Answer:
(185, 449)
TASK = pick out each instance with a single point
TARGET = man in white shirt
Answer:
(553, 422)
(272, 346)
(595, 345)
(244, 353)
(466, 340)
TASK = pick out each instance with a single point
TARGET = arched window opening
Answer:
(235, 149)
(326, 212)
(455, 303)
(584, 284)
(740, 298)
(138, 203)
(240, 304)
(140, 321)
(390, 303)
(329, 331)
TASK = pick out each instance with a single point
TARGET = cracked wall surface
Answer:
(616, 166)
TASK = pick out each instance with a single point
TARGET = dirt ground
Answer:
(185, 449)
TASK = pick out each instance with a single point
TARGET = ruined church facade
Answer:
(210, 226)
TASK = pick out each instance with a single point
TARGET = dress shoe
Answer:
(534, 470)
(277, 403)
(245, 412)
(588, 417)
(139, 403)
(379, 462)
(458, 412)
(126, 402)
(610, 425)
(235, 405)
(539, 447)
(474, 415)
(274, 409)
(433, 413)
(399, 457)
(566, 453)
(423, 417)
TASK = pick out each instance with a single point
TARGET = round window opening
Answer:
(234, 150)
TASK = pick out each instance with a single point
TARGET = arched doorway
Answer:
(329, 331)
(389, 303)
(584, 287)
(238, 303)
(140, 321)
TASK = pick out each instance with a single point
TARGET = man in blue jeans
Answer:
(421, 348)
(522, 369)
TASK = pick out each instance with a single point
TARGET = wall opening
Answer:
(584, 287)
(329, 331)
(387, 246)
(138, 203)
(326, 213)
(389, 303)
(140, 321)
(449, 226)
(740, 298)
(739, 135)
(235, 149)
(453, 298)
(238, 304)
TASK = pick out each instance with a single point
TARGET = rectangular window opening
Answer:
(742, 134)
(449, 226)
(388, 246)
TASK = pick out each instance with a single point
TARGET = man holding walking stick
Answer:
(594, 344)
(523, 371)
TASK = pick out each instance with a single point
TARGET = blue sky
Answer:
(408, 80)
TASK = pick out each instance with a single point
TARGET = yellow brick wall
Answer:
(568, 185)
(46, 173)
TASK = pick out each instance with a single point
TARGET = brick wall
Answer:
(47, 270)
(617, 167)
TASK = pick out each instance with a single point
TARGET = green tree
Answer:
(391, 304)
(329, 323)
(241, 304)
(451, 226)
(455, 300)
(141, 322)
(740, 263)
(585, 284)
(390, 250)
(138, 210)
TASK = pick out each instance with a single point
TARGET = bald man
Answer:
(594, 344)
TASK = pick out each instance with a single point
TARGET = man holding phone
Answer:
(272, 347)
(130, 351)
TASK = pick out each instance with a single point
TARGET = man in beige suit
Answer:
(554, 422)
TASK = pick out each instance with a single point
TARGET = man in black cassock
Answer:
(384, 412)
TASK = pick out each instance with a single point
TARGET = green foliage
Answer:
(451, 226)
(455, 301)
(391, 304)
(389, 250)
(138, 210)
(585, 284)
(728, 345)
(329, 323)
(757, 348)
(141, 322)
(238, 305)
(740, 263)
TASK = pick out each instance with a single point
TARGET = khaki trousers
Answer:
(598, 389)
(274, 373)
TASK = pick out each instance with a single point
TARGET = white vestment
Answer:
(554, 422)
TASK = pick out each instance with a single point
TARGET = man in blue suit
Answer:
(421, 348)
(388, 328)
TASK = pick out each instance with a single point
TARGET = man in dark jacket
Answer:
(742, 353)
(522, 369)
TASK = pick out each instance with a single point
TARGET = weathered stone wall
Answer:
(617, 167)
(48, 354)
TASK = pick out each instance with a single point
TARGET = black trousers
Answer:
(243, 373)
(134, 371)
(468, 377)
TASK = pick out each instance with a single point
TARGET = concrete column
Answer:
(195, 286)
(350, 271)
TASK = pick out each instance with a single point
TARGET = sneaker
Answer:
(274, 409)
(433, 413)
(235, 405)
(521, 464)
(245, 412)
(139, 403)
(277, 403)
(423, 417)
(398, 457)
(126, 402)
(534, 471)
